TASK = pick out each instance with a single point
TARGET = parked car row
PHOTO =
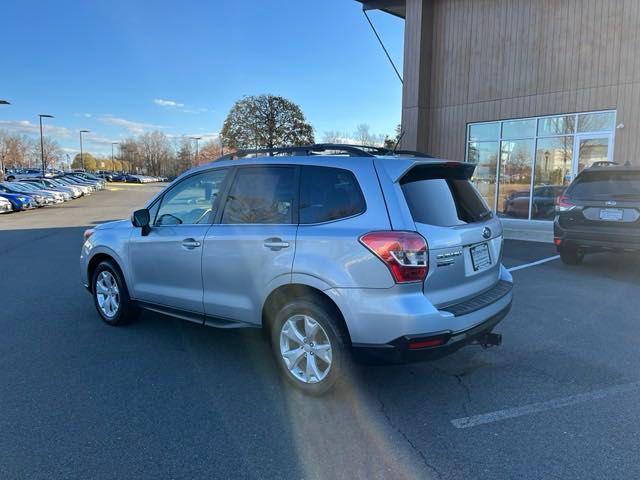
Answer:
(34, 192)
(128, 177)
(22, 173)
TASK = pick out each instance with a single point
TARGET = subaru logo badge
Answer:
(486, 232)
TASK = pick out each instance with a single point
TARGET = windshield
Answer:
(443, 197)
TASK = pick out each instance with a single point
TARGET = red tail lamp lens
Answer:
(405, 254)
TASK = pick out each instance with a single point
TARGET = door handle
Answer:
(275, 243)
(190, 243)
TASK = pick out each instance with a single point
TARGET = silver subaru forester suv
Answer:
(336, 251)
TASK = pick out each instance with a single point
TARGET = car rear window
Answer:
(613, 184)
(328, 194)
(443, 197)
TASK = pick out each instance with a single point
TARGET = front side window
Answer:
(261, 195)
(191, 201)
(328, 194)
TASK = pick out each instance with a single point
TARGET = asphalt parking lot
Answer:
(169, 399)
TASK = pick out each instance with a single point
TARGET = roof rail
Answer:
(316, 149)
(303, 150)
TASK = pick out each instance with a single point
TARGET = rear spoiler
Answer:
(433, 170)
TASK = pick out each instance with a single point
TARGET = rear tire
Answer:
(310, 345)
(110, 295)
(571, 255)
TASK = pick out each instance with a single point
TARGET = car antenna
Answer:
(395, 147)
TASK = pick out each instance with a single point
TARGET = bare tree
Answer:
(15, 150)
(334, 136)
(157, 153)
(53, 153)
(210, 151)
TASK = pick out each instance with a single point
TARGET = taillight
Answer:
(563, 204)
(404, 253)
(87, 234)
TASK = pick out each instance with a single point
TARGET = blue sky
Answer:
(120, 67)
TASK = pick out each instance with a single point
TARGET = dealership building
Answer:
(531, 91)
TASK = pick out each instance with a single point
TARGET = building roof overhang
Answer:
(393, 7)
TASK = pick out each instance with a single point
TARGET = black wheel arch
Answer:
(279, 297)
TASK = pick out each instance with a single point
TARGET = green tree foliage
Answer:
(391, 142)
(265, 121)
(89, 162)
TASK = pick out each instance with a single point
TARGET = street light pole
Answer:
(112, 144)
(42, 142)
(81, 155)
(196, 139)
(2, 102)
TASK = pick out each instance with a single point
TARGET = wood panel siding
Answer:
(501, 59)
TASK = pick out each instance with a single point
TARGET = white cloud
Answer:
(167, 103)
(180, 107)
(204, 137)
(133, 127)
(96, 139)
(28, 128)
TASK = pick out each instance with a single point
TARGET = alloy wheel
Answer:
(107, 294)
(305, 348)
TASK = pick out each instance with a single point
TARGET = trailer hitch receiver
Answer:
(489, 339)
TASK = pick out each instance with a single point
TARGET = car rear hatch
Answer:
(463, 236)
(605, 201)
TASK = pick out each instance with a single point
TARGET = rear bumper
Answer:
(382, 322)
(600, 238)
(399, 351)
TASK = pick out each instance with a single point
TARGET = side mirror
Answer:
(140, 218)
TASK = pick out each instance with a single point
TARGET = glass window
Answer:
(556, 125)
(328, 194)
(552, 174)
(593, 151)
(596, 122)
(261, 195)
(516, 160)
(443, 199)
(485, 156)
(484, 131)
(519, 129)
(190, 202)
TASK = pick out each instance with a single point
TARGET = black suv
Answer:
(599, 211)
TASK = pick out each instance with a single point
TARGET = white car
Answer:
(5, 206)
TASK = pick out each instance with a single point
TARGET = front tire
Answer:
(110, 295)
(310, 347)
(571, 255)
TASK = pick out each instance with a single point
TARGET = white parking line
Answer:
(533, 264)
(475, 420)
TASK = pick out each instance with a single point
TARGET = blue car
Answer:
(19, 201)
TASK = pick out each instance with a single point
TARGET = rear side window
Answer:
(611, 184)
(443, 197)
(261, 195)
(328, 194)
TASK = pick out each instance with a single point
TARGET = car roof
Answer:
(395, 165)
(613, 168)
